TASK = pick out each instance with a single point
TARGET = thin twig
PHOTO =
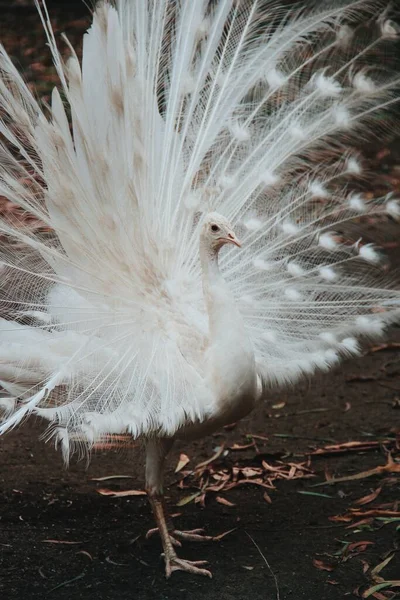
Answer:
(278, 596)
(66, 582)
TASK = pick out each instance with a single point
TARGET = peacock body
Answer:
(126, 315)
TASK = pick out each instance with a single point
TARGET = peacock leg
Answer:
(156, 452)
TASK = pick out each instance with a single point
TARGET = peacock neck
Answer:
(231, 364)
(224, 317)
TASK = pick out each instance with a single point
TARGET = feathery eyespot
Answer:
(327, 273)
(275, 78)
(261, 264)
(327, 240)
(193, 199)
(350, 345)
(253, 224)
(297, 131)
(370, 325)
(328, 336)
(342, 115)
(292, 294)
(353, 166)
(269, 336)
(344, 35)
(363, 84)
(357, 202)
(268, 178)
(393, 208)
(369, 253)
(239, 132)
(290, 228)
(318, 190)
(390, 30)
(295, 269)
(227, 182)
(327, 86)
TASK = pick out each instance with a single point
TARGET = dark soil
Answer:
(102, 552)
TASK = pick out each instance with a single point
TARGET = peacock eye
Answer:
(214, 228)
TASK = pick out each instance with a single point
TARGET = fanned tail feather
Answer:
(177, 109)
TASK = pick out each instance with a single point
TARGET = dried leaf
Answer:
(389, 346)
(379, 596)
(279, 405)
(357, 547)
(369, 498)
(66, 542)
(267, 498)
(120, 494)
(201, 499)
(108, 477)
(224, 501)
(375, 512)
(85, 554)
(390, 467)
(381, 566)
(361, 523)
(322, 566)
(246, 481)
(216, 455)
(242, 446)
(258, 437)
(250, 472)
(187, 499)
(247, 568)
(340, 519)
(306, 493)
(183, 461)
(347, 447)
(380, 586)
(217, 538)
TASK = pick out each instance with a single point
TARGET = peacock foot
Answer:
(174, 541)
(174, 563)
(192, 535)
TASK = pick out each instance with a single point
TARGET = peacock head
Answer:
(217, 231)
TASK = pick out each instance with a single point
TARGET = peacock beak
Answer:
(232, 239)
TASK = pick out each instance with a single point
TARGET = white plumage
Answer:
(118, 321)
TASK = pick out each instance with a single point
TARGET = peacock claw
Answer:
(192, 535)
(172, 537)
(174, 563)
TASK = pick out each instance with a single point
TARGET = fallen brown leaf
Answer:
(369, 497)
(224, 501)
(357, 547)
(242, 446)
(390, 467)
(322, 566)
(216, 455)
(187, 499)
(347, 447)
(66, 542)
(120, 494)
(183, 461)
(378, 568)
(108, 477)
(267, 498)
(217, 538)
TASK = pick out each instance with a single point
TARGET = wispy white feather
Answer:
(177, 108)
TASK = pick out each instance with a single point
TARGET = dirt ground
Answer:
(60, 538)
